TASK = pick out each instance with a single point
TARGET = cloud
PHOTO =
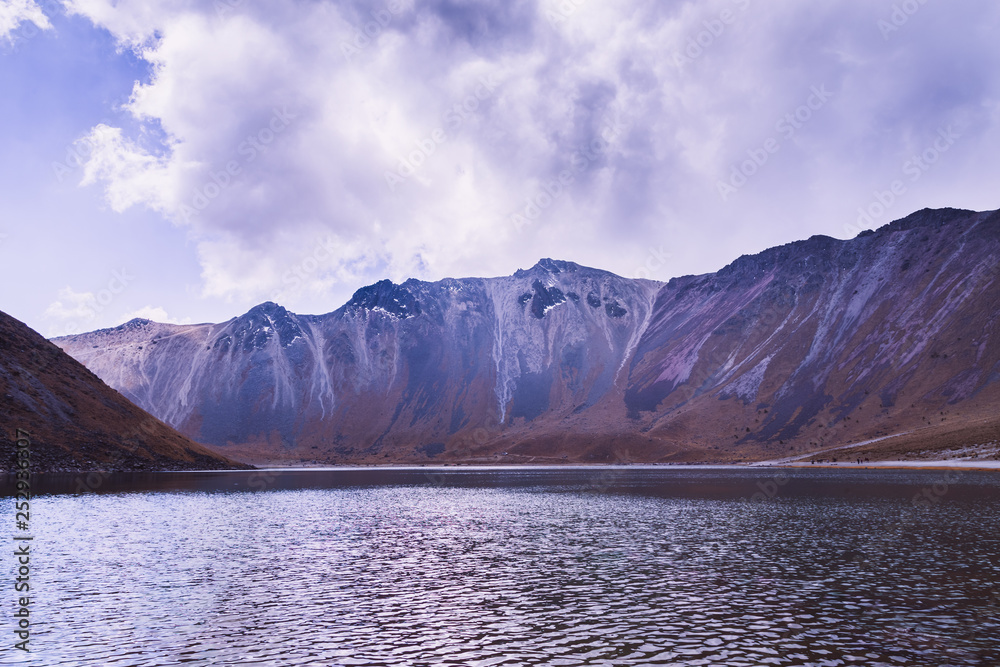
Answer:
(72, 312)
(130, 174)
(15, 12)
(439, 138)
(72, 304)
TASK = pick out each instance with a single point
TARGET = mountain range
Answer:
(815, 344)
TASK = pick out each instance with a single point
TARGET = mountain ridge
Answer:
(562, 362)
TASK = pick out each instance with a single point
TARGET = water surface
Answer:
(597, 566)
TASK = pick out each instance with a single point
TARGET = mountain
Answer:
(800, 348)
(825, 342)
(75, 421)
(400, 372)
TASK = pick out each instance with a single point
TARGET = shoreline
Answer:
(945, 464)
(870, 465)
(941, 464)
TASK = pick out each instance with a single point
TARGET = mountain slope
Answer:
(75, 421)
(801, 347)
(401, 372)
(823, 341)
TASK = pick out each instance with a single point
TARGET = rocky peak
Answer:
(133, 325)
(388, 297)
(929, 218)
(252, 330)
(267, 309)
(548, 266)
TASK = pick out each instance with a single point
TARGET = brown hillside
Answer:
(75, 421)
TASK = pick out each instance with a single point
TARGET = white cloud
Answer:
(74, 312)
(281, 120)
(130, 174)
(71, 312)
(72, 305)
(305, 260)
(15, 12)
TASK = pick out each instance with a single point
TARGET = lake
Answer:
(514, 566)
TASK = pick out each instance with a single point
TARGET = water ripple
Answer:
(432, 575)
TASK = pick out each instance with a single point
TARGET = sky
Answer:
(185, 160)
